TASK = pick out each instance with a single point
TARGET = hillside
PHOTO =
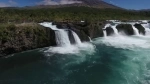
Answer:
(86, 3)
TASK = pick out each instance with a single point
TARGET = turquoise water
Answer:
(111, 60)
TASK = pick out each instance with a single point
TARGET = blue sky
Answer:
(129, 4)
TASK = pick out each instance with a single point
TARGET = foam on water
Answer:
(136, 68)
(124, 42)
(72, 49)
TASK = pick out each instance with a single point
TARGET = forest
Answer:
(68, 14)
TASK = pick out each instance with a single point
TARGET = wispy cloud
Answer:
(111, 2)
(10, 3)
(52, 2)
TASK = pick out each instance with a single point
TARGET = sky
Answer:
(128, 4)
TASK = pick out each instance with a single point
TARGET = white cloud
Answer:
(10, 3)
(52, 2)
(111, 2)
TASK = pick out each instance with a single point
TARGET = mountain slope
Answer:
(86, 3)
(97, 4)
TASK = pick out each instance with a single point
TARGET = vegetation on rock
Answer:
(25, 36)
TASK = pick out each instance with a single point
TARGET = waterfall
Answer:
(76, 37)
(146, 25)
(147, 28)
(90, 39)
(105, 33)
(115, 30)
(104, 30)
(62, 38)
(136, 31)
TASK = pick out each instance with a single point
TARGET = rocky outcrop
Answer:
(21, 37)
(83, 29)
(94, 30)
(71, 38)
(72, 27)
(109, 31)
(140, 28)
(126, 28)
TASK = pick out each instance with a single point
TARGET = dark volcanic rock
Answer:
(109, 31)
(140, 28)
(94, 30)
(61, 25)
(73, 27)
(71, 38)
(126, 28)
(82, 35)
(84, 29)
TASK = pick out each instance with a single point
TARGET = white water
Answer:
(105, 33)
(62, 38)
(147, 28)
(104, 30)
(87, 48)
(146, 25)
(76, 37)
(115, 30)
(136, 60)
(136, 50)
(90, 39)
(136, 31)
(65, 46)
(49, 25)
(125, 42)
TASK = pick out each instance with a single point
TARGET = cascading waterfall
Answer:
(146, 25)
(136, 31)
(64, 44)
(105, 33)
(104, 30)
(62, 38)
(76, 37)
(115, 30)
(147, 28)
(90, 39)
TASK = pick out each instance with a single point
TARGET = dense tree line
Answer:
(68, 14)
